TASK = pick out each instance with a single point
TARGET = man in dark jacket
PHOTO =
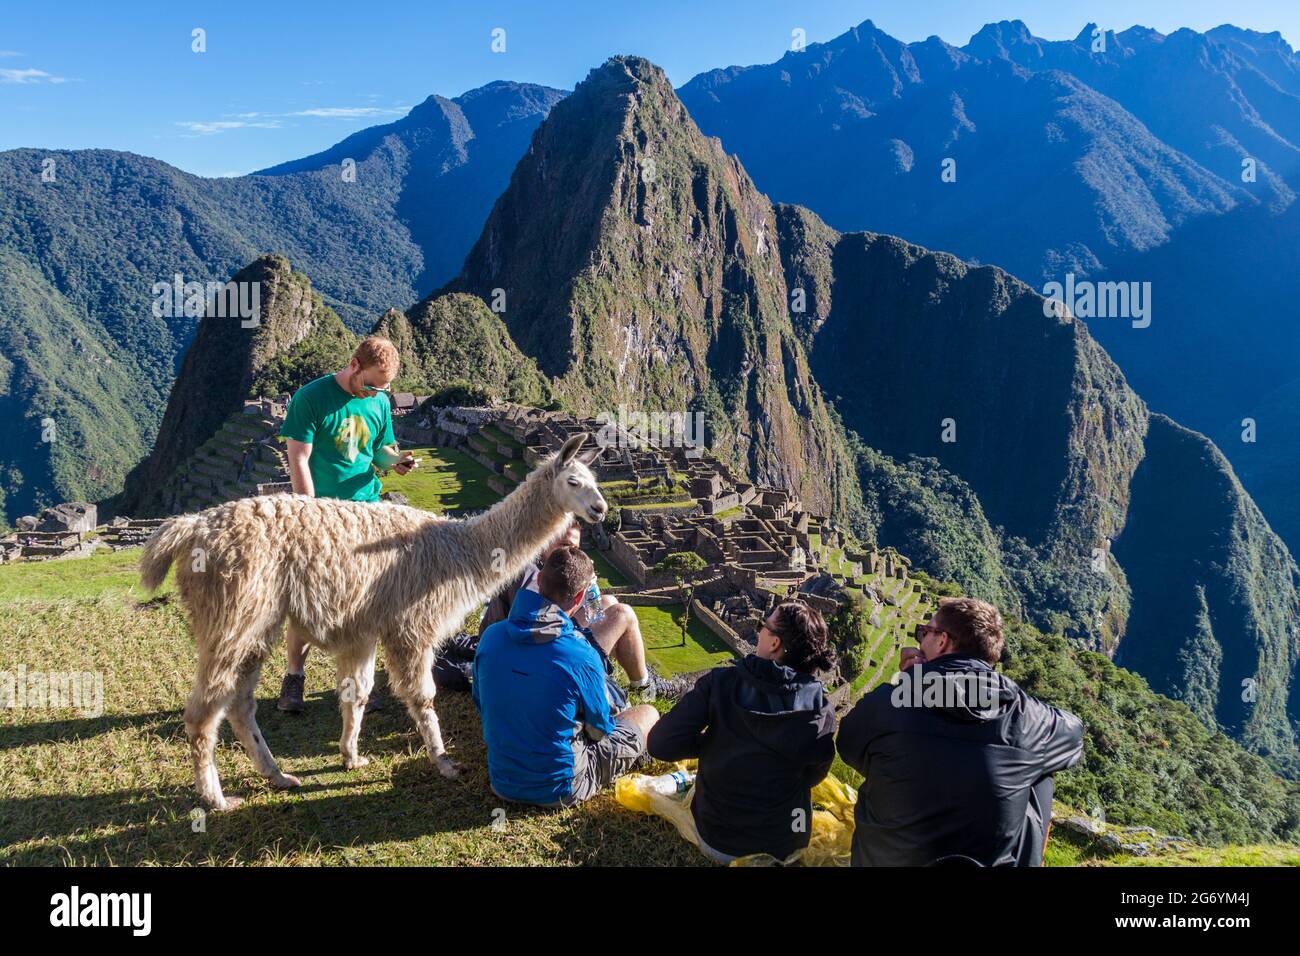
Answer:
(763, 731)
(958, 760)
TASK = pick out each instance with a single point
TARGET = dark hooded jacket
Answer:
(958, 763)
(764, 736)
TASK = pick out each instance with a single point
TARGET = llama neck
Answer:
(520, 525)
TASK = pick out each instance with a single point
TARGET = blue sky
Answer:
(281, 80)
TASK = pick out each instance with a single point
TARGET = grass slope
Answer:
(661, 630)
(116, 788)
(113, 786)
(447, 481)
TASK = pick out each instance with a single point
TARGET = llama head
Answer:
(573, 483)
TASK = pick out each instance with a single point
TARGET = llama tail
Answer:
(172, 537)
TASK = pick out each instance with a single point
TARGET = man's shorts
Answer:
(597, 763)
(617, 695)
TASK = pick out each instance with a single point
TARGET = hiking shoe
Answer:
(291, 689)
(658, 688)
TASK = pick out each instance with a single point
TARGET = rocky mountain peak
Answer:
(267, 314)
(636, 262)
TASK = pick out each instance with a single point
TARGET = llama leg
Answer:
(416, 688)
(202, 724)
(356, 681)
(243, 719)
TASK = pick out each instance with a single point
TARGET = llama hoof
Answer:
(226, 803)
(447, 767)
(352, 763)
(285, 781)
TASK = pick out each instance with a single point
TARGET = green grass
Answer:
(114, 787)
(103, 574)
(662, 633)
(607, 575)
(450, 481)
(117, 788)
(1065, 848)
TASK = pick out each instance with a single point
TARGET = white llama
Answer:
(350, 575)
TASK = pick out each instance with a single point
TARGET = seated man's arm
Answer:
(679, 734)
(596, 717)
(855, 735)
(1055, 735)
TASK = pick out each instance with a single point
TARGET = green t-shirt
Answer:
(344, 432)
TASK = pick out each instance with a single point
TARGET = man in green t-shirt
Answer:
(337, 429)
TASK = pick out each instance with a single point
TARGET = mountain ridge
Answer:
(1173, 159)
(110, 225)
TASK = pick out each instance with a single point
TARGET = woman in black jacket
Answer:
(764, 732)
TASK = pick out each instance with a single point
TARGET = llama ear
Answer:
(570, 449)
(588, 457)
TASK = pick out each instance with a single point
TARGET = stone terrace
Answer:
(243, 454)
(758, 544)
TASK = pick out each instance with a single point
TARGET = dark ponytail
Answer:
(804, 636)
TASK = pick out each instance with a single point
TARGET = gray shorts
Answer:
(597, 763)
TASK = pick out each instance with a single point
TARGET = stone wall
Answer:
(739, 646)
(623, 557)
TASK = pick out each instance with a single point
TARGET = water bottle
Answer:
(592, 606)
(672, 784)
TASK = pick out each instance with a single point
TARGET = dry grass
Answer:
(116, 788)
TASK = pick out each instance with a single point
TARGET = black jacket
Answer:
(764, 735)
(952, 774)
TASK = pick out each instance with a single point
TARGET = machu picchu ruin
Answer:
(757, 545)
(753, 545)
(70, 530)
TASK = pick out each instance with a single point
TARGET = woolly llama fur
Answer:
(349, 575)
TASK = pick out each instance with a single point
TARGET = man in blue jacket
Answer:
(553, 738)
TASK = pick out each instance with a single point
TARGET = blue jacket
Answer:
(538, 685)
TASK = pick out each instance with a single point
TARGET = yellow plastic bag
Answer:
(832, 826)
(632, 792)
(831, 840)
